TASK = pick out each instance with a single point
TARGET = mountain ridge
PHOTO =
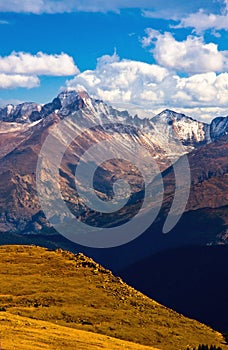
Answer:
(188, 130)
(69, 99)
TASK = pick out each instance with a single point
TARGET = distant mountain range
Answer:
(166, 137)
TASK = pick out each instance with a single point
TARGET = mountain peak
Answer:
(170, 114)
(168, 111)
(80, 91)
(69, 96)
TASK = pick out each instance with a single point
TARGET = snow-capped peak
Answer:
(67, 97)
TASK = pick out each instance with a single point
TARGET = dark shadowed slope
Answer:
(192, 280)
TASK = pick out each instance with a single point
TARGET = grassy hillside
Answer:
(37, 335)
(74, 292)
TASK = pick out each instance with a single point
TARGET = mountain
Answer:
(46, 291)
(208, 199)
(160, 130)
(205, 219)
(166, 137)
(188, 266)
(21, 113)
(23, 129)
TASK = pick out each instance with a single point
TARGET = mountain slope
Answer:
(204, 222)
(74, 291)
(28, 334)
(208, 200)
(209, 169)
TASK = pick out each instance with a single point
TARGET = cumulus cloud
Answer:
(9, 81)
(202, 21)
(142, 86)
(22, 69)
(191, 56)
(39, 64)
(120, 80)
(206, 89)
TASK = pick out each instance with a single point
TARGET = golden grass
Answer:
(24, 333)
(76, 293)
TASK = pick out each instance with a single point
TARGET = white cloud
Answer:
(150, 37)
(10, 81)
(206, 89)
(142, 86)
(22, 69)
(120, 80)
(202, 21)
(39, 64)
(205, 114)
(168, 14)
(61, 6)
(161, 8)
(176, 9)
(191, 56)
(21, 6)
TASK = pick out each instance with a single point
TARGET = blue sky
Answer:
(135, 54)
